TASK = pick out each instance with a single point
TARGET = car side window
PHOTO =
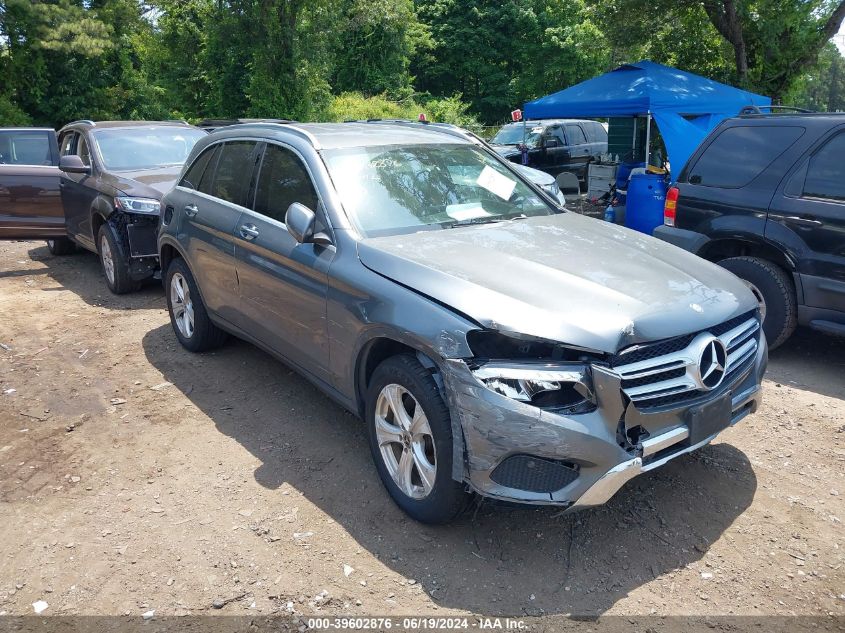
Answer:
(66, 144)
(748, 149)
(195, 172)
(234, 167)
(575, 135)
(825, 175)
(282, 180)
(82, 150)
(25, 147)
(207, 179)
(557, 132)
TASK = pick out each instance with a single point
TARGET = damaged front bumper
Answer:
(514, 451)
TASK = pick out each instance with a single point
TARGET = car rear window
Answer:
(25, 148)
(740, 154)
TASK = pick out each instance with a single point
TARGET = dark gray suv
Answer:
(492, 342)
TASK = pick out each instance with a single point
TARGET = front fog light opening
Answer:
(553, 387)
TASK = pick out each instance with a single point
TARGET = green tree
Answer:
(768, 44)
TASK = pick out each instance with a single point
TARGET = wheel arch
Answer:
(745, 246)
(385, 345)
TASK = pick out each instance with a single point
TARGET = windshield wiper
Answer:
(493, 219)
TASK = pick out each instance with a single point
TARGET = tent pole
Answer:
(634, 139)
(647, 138)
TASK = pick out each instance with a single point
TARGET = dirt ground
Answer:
(135, 476)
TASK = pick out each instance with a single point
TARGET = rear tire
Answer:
(114, 262)
(188, 316)
(424, 488)
(774, 290)
(60, 246)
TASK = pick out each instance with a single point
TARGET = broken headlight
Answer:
(147, 206)
(556, 386)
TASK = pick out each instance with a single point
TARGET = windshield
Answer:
(126, 149)
(513, 135)
(402, 189)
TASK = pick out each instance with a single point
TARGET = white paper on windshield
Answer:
(496, 183)
(466, 211)
(536, 130)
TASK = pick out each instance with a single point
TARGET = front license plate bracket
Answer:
(710, 418)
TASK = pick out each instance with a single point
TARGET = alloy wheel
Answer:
(182, 305)
(108, 259)
(405, 441)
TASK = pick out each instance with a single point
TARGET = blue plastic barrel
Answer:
(646, 198)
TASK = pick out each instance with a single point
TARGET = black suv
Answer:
(553, 145)
(113, 174)
(764, 196)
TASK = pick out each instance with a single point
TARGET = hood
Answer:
(565, 278)
(146, 183)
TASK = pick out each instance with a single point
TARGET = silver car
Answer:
(492, 342)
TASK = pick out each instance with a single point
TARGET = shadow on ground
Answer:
(76, 272)
(496, 559)
(810, 361)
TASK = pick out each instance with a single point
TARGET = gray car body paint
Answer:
(561, 277)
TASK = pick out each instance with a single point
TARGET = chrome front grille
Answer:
(669, 372)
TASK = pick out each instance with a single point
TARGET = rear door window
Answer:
(24, 147)
(825, 174)
(740, 154)
(234, 170)
(192, 177)
(575, 134)
(282, 180)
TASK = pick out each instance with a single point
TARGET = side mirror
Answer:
(551, 142)
(300, 221)
(73, 165)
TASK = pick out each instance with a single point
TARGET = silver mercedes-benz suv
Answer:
(493, 342)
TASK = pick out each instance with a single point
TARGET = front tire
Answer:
(774, 291)
(188, 316)
(60, 246)
(410, 433)
(114, 263)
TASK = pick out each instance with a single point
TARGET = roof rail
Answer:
(773, 109)
(446, 128)
(288, 125)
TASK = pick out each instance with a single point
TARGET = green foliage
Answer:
(456, 61)
(353, 106)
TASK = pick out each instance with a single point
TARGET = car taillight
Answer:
(671, 207)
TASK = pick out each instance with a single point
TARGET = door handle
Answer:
(803, 221)
(249, 231)
(191, 210)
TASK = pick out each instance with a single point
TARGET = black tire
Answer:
(447, 497)
(119, 281)
(60, 246)
(205, 335)
(772, 286)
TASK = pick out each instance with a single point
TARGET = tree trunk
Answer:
(724, 16)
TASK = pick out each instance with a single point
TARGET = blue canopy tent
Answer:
(685, 106)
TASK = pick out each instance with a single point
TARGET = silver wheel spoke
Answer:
(419, 423)
(426, 469)
(404, 473)
(387, 433)
(393, 393)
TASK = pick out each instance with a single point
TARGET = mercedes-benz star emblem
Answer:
(711, 365)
